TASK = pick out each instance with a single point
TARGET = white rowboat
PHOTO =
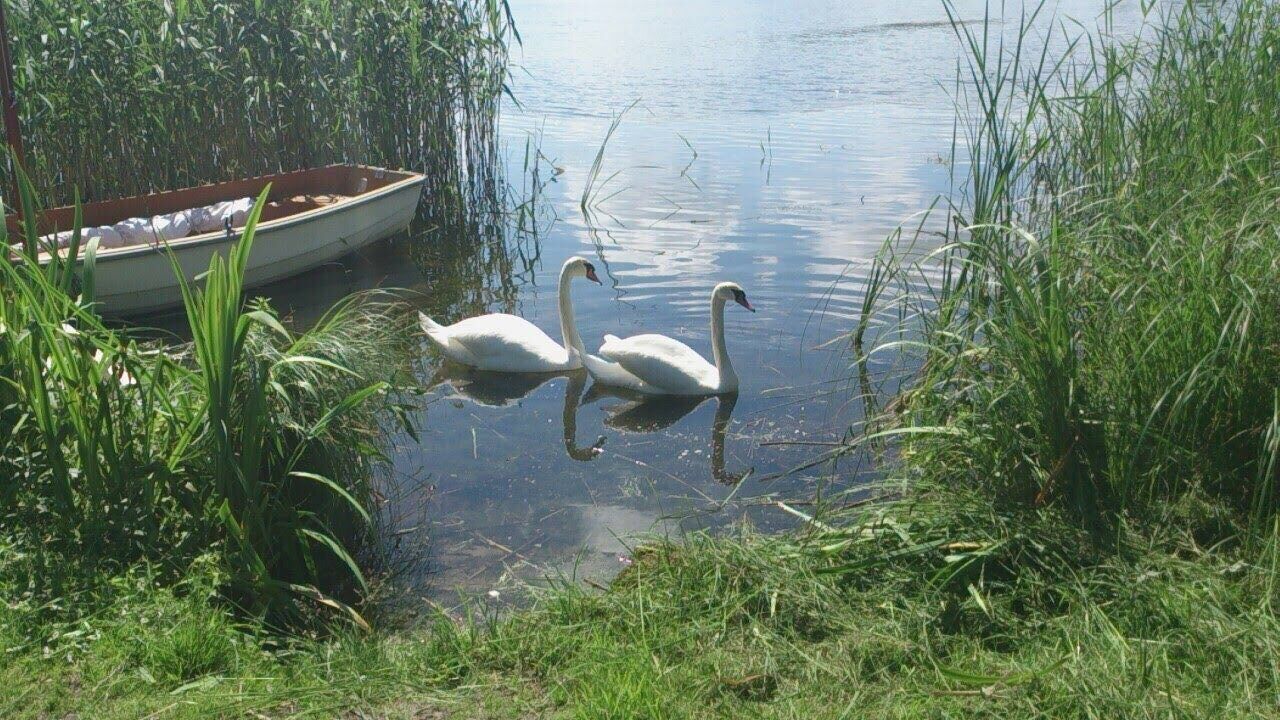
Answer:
(313, 217)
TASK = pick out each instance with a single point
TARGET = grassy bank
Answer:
(1087, 460)
(725, 627)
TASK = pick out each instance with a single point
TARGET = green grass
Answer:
(743, 626)
(1101, 332)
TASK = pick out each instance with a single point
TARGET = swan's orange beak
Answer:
(591, 275)
(742, 300)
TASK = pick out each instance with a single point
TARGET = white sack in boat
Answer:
(211, 218)
(135, 231)
(237, 210)
(204, 220)
(58, 240)
(107, 237)
(172, 226)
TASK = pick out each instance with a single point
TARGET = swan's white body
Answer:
(499, 341)
(508, 343)
(659, 365)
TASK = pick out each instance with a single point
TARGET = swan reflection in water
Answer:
(501, 389)
(637, 413)
(640, 413)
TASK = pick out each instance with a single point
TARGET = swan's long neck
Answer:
(568, 325)
(719, 351)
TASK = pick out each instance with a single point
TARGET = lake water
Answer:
(775, 144)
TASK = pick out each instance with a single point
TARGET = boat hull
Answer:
(146, 282)
(140, 279)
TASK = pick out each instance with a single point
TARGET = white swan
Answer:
(509, 343)
(659, 365)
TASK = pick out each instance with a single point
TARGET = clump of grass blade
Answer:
(255, 439)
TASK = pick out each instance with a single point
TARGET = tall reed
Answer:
(1104, 320)
(123, 98)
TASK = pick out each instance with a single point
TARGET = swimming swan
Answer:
(659, 365)
(509, 343)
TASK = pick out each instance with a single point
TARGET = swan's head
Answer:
(733, 291)
(579, 267)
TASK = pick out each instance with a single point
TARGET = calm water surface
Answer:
(775, 144)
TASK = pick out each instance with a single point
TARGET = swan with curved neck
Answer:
(659, 365)
(509, 343)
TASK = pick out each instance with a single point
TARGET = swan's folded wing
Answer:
(662, 361)
(510, 339)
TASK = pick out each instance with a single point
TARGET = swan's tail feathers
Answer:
(436, 332)
(607, 372)
(429, 326)
(595, 365)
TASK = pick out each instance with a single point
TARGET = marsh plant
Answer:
(123, 98)
(1101, 329)
(255, 441)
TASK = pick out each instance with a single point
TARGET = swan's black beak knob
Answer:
(591, 274)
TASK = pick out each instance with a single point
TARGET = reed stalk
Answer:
(1101, 328)
(125, 98)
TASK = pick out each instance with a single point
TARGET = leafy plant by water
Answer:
(257, 440)
(594, 186)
